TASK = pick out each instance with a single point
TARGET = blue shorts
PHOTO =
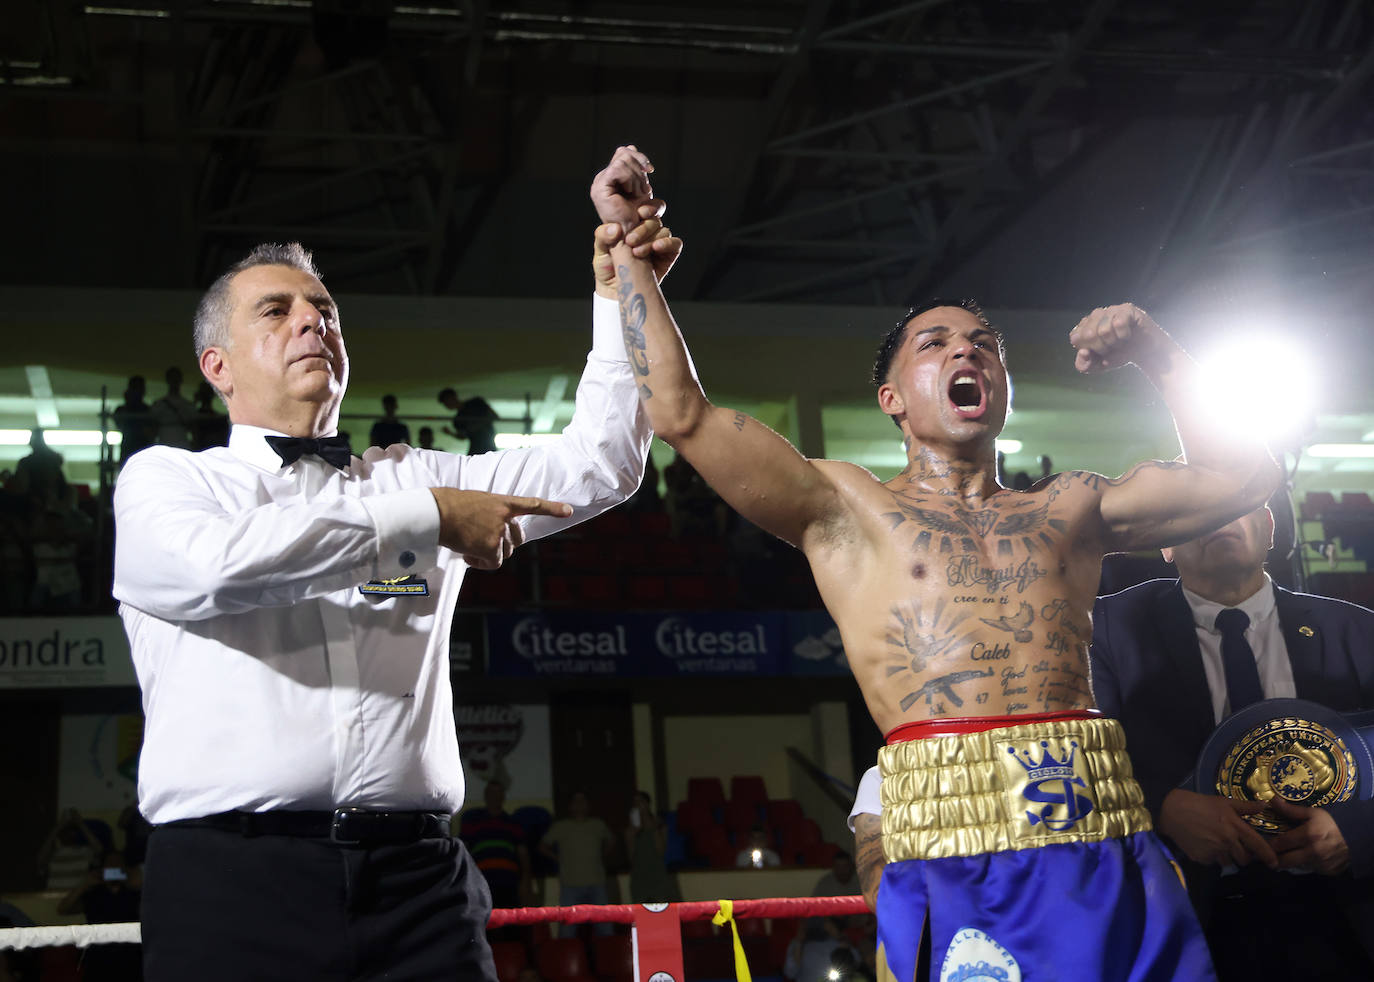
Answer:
(1027, 852)
(1107, 911)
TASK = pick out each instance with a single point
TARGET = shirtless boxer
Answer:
(1013, 830)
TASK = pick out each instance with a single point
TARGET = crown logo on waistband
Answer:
(1050, 765)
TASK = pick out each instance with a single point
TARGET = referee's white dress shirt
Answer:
(269, 680)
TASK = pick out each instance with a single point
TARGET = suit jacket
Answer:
(1147, 672)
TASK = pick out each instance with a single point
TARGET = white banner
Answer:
(98, 770)
(64, 652)
(505, 743)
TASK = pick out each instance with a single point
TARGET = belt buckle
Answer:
(338, 833)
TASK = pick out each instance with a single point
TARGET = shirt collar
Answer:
(246, 442)
(1258, 606)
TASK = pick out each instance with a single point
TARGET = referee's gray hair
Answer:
(212, 313)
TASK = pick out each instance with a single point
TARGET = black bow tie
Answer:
(332, 449)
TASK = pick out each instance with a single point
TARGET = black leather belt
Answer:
(346, 826)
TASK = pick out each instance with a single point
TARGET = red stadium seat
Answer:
(698, 929)
(562, 959)
(612, 523)
(600, 590)
(1356, 502)
(721, 856)
(1316, 504)
(707, 789)
(797, 839)
(711, 843)
(748, 787)
(651, 524)
(752, 927)
(692, 815)
(784, 812)
(60, 964)
(648, 591)
(689, 590)
(821, 854)
(759, 953)
(784, 930)
(709, 958)
(510, 958)
(558, 590)
(740, 817)
(614, 958)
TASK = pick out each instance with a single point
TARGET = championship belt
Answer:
(1297, 750)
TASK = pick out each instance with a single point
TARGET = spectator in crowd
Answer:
(646, 840)
(388, 429)
(757, 853)
(498, 846)
(211, 428)
(58, 532)
(134, 420)
(866, 970)
(51, 530)
(581, 843)
(426, 436)
(173, 415)
(866, 822)
(841, 881)
(474, 421)
(70, 851)
(819, 953)
(109, 894)
(38, 476)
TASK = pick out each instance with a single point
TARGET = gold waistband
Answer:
(1013, 787)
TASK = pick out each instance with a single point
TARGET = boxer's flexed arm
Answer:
(1224, 474)
(754, 469)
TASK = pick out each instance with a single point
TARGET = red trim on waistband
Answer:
(955, 725)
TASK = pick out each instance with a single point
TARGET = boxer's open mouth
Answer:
(967, 395)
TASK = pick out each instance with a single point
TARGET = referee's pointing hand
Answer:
(482, 528)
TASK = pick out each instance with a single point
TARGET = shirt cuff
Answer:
(608, 341)
(407, 525)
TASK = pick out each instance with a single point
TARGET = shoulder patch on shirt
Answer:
(401, 586)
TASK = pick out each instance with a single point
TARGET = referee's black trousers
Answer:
(218, 905)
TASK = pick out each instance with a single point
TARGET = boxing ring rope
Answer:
(656, 932)
(692, 910)
(76, 935)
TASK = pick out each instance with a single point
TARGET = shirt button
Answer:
(407, 559)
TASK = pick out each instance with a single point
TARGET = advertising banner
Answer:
(595, 644)
(64, 652)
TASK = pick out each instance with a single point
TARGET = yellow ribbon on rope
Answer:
(726, 915)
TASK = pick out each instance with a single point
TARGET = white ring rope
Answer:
(80, 935)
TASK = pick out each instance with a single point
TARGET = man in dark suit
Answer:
(1296, 905)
